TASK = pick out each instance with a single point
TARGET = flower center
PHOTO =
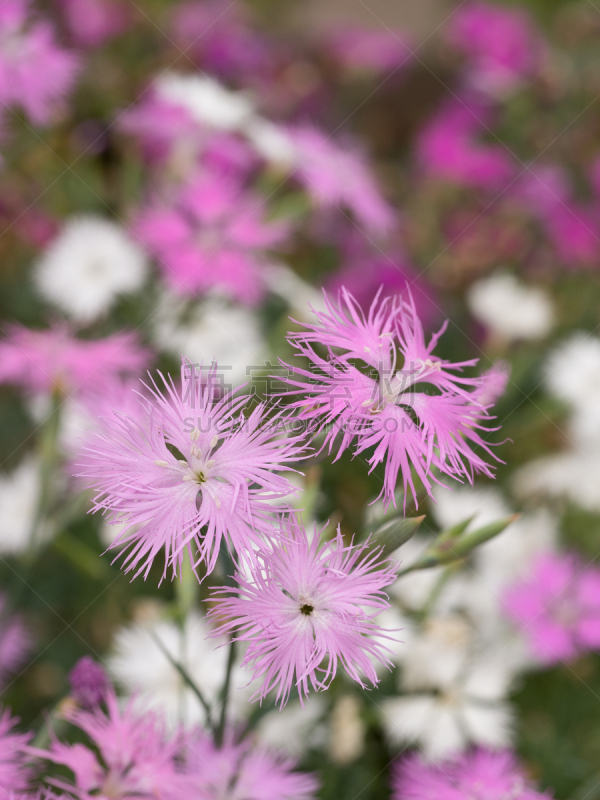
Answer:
(307, 605)
(306, 609)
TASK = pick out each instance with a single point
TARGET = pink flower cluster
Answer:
(36, 73)
(212, 237)
(557, 607)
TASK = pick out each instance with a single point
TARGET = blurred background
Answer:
(190, 175)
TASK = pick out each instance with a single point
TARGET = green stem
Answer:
(186, 678)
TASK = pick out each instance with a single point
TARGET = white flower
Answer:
(90, 263)
(573, 371)
(509, 308)
(139, 664)
(438, 654)
(297, 293)
(294, 729)
(212, 330)
(19, 497)
(206, 100)
(272, 142)
(573, 474)
(470, 711)
(452, 506)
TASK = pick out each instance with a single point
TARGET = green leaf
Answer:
(394, 533)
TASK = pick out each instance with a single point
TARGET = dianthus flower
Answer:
(14, 774)
(359, 49)
(558, 608)
(44, 360)
(35, 73)
(91, 23)
(239, 772)
(305, 608)
(500, 43)
(448, 148)
(211, 238)
(413, 407)
(134, 757)
(88, 682)
(336, 176)
(478, 775)
(196, 471)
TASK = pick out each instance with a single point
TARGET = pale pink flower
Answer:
(14, 774)
(196, 471)
(412, 407)
(360, 49)
(91, 23)
(558, 607)
(35, 72)
(335, 176)
(500, 43)
(477, 775)
(305, 608)
(45, 360)
(134, 757)
(241, 772)
(448, 147)
(212, 237)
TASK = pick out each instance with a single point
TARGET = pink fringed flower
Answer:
(448, 148)
(558, 608)
(334, 176)
(239, 772)
(195, 471)
(14, 774)
(43, 360)
(35, 73)
(15, 642)
(478, 775)
(213, 237)
(135, 757)
(500, 42)
(305, 608)
(410, 406)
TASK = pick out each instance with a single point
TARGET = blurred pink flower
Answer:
(91, 23)
(219, 37)
(477, 775)
(35, 72)
(196, 471)
(240, 772)
(389, 404)
(212, 237)
(135, 757)
(501, 45)
(571, 227)
(448, 149)
(88, 682)
(306, 608)
(558, 607)
(14, 774)
(337, 176)
(44, 360)
(358, 48)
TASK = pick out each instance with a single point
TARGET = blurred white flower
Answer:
(141, 667)
(90, 263)
(413, 590)
(272, 142)
(484, 504)
(437, 654)
(469, 711)
(206, 100)
(573, 475)
(510, 309)
(296, 292)
(294, 729)
(230, 335)
(19, 497)
(573, 371)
